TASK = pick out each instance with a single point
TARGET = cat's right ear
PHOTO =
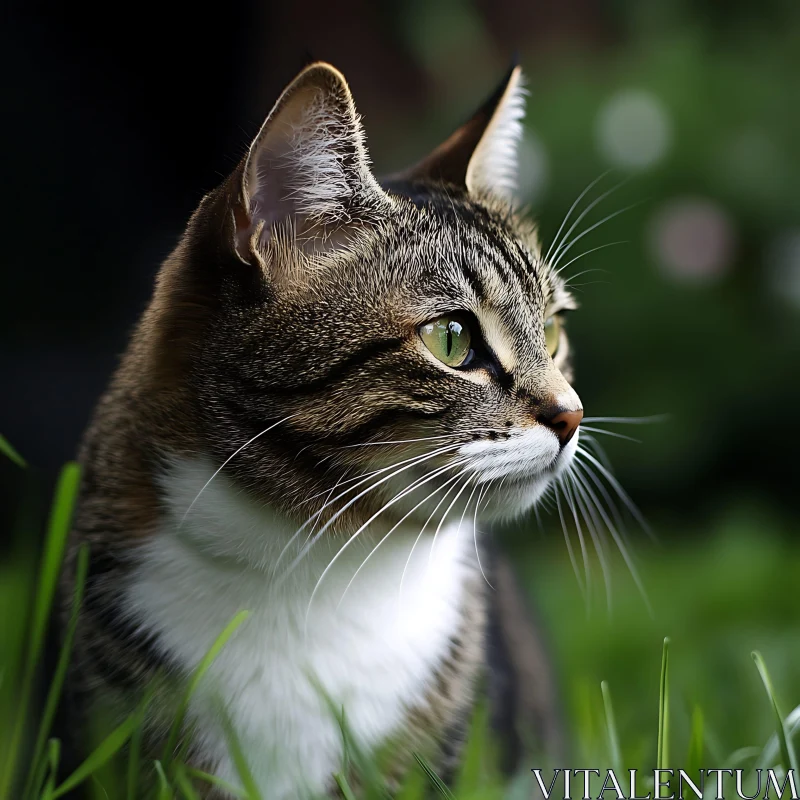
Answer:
(307, 173)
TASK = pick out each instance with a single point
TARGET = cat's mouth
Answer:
(526, 455)
(519, 471)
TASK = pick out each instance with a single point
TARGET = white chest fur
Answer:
(372, 649)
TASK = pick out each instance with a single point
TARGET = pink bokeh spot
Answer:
(693, 240)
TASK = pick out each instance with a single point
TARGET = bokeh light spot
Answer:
(633, 130)
(693, 240)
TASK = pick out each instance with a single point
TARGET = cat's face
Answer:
(392, 343)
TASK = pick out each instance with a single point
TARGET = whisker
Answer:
(475, 534)
(623, 495)
(419, 536)
(568, 493)
(618, 540)
(397, 525)
(584, 470)
(593, 526)
(593, 227)
(568, 541)
(228, 460)
(610, 433)
(630, 420)
(444, 517)
(590, 440)
(313, 528)
(586, 253)
(408, 464)
(428, 438)
(380, 511)
(571, 209)
(568, 281)
(560, 250)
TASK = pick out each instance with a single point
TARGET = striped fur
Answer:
(283, 329)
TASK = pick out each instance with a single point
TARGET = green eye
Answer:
(552, 334)
(449, 339)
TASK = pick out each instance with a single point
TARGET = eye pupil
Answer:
(448, 338)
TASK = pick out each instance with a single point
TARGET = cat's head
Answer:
(341, 326)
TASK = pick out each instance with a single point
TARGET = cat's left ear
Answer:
(307, 172)
(481, 157)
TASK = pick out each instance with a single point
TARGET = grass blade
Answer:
(414, 785)
(55, 542)
(195, 679)
(57, 683)
(213, 780)
(662, 755)
(53, 757)
(135, 750)
(788, 754)
(9, 452)
(102, 754)
(239, 759)
(694, 757)
(435, 781)
(366, 766)
(344, 786)
(479, 771)
(184, 784)
(611, 726)
(164, 792)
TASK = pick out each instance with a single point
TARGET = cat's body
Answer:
(380, 657)
(289, 435)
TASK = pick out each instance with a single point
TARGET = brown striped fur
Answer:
(306, 306)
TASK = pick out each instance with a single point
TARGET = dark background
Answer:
(119, 117)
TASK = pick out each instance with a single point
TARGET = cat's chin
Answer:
(518, 493)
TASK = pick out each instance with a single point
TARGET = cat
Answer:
(336, 383)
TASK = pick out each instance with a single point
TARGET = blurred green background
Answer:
(695, 105)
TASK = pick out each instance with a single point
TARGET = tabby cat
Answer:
(336, 383)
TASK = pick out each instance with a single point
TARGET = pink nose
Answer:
(563, 423)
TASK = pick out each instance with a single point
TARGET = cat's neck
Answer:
(373, 636)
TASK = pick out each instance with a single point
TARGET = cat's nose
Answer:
(561, 421)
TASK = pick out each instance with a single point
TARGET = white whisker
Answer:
(617, 538)
(228, 460)
(444, 517)
(419, 536)
(453, 435)
(558, 254)
(617, 486)
(591, 228)
(586, 253)
(568, 541)
(584, 470)
(475, 534)
(610, 433)
(571, 209)
(401, 520)
(352, 538)
(590, 440)
(408, 464)
(593, 526)
(630, 420)
(568, 491)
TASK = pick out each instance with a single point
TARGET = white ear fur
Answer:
(494, 163)
(308, 166)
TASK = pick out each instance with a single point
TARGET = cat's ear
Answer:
(307, 171)
(482, 155)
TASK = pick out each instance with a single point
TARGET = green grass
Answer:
(718, 599)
